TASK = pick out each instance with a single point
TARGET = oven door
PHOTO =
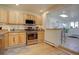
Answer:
(32, 38)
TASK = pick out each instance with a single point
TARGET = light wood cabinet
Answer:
(12, 17)
(22, 38)
(17, 38)
(15, 17)
(3, 16)
(4, 42)
(40, 36)
(20, 18)
(28, 17)
(13, 39)
(38, 20)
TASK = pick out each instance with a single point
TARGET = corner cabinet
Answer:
(3, 16)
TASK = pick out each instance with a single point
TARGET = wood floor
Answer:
(37, 49)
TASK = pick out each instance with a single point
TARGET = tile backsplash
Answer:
(9, 27)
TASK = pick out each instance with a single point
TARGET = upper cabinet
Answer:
(28, 16)
(15, 17)
(12, 17)
(3, 16)
(39, 20)
(18, 17)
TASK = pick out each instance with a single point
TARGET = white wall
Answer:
(53, 36)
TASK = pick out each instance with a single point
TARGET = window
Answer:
(74, 24)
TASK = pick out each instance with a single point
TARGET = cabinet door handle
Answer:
(14, 39)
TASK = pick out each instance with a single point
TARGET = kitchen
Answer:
(22, 26)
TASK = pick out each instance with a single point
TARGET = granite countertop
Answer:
(15, 31)
(3, 32)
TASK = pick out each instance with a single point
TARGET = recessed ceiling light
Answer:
(63, 15)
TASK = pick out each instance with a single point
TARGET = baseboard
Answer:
(52, 44)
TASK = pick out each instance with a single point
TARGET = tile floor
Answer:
(37, 49)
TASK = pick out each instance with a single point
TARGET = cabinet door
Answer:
(41, 36)
(3, 15)
(24, 16)
(11, 39)
(6, 41)
(12, 17)
(22, 38)
(16, 17)
(38, 20)
(16, 38)
(0, 44)
(20, 18)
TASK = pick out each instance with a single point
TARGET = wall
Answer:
(53, 36)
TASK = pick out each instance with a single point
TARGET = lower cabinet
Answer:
(6, 44)
(17, 38)
(40, 36)
(22, 38)
(13, 39)
(4, 41)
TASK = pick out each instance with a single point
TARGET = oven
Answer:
(31, 37)
(31, 32)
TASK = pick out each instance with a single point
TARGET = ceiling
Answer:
(34, 8)
(72, 10)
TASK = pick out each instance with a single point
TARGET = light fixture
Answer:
(41, 10)
(63, 15)
(17, 4)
